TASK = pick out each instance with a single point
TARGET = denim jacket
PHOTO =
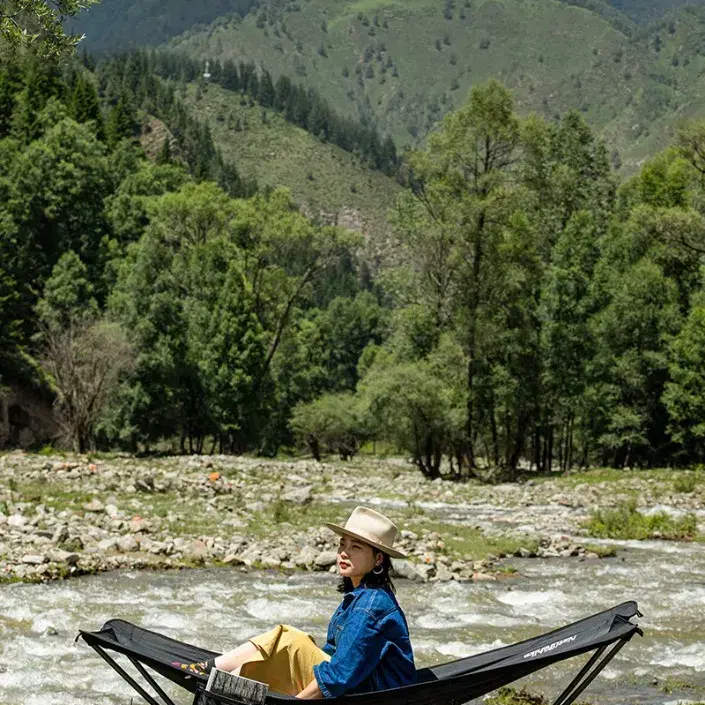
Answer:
(368, 641)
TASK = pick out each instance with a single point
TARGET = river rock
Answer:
(95, 505)
(301, 495)
(33, 559)
(127, 544)
(137, 525)
(61, 534)
(270, 562)
(17, 521)
(109, 544)
(305, 557)
(406, 569)
(483, 578)
(426, 571)
(57, 555)
(325, 559)
(197, 549)
(443, 575)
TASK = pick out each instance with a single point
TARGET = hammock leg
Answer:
(576, 687)
(148, 677)
(127, 677)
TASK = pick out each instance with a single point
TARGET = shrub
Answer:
(625, 522)
(331, 424)
(687, 483)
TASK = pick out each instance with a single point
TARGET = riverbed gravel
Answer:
(62, 516)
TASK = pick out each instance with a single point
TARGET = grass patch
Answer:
(673, 684)
(686, 483)
(513, 696)
(608, 551)
(625, 522)
(465, 542)
(519, 696)
(51, 494)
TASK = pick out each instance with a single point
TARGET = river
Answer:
(40, 664)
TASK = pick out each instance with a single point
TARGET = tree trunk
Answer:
(473, 306)
(495, 440)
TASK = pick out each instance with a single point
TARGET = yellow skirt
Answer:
(285, 659)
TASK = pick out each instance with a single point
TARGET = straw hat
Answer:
(372, 528)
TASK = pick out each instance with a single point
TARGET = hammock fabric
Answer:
(450, 683)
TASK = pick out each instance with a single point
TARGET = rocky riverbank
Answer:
(65, 516)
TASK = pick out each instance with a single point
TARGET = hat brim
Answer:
(391, 552)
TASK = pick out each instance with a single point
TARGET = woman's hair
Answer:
(372, 579)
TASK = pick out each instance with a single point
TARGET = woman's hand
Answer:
(311, 692)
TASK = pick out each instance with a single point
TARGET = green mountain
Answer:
(403, 65)
(330, 183)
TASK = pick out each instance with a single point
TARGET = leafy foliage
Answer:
(39, 24)
(626, 522)
(330, 424)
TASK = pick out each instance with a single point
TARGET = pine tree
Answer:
(85, 106)
(122, 121)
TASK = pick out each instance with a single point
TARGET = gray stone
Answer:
(59, 556)
(443, 574)
(270, 562)
(256, 507)
(17, 521)
(61, 534)
(109, 544)
(306, 556)
(127, 544)
(325, 559)
(300, 495)
(406, 569)
(33, 559)
(95, 505)
(426, 571)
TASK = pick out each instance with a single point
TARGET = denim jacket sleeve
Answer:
(357, 653)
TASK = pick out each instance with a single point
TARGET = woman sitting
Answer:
(368, 645)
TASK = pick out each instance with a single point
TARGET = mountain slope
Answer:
(405, 64)
(329, 182)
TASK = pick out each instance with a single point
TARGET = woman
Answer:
(368, 645)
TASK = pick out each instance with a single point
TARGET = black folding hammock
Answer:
(450, 683)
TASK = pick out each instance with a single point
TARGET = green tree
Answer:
(39, 24)
(464, 203)
(333, 423)
(85, 106)
(684, 395)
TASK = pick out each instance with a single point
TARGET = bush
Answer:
(331, 424)
(688, 482)
(625, 522)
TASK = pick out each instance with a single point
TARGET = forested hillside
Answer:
(534, 311)
(403, 66)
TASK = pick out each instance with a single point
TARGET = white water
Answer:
(220, 608)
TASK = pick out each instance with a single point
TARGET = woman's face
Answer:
(356, 558)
